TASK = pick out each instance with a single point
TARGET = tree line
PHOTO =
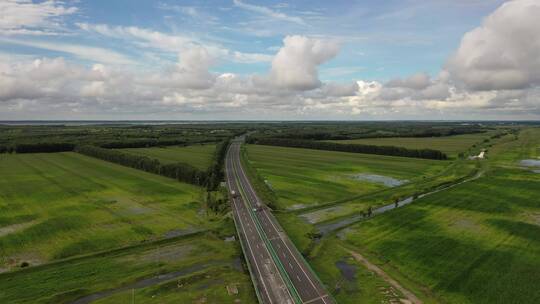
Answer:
(50, 147)
(354, 148)
(371, 132)
(37, 148)
(179, 171)
(183, 172)
(144, 143)
(215, 171)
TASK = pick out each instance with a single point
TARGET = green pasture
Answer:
(199, 156)
(63, 204)
(354, 284)
(201, 266)
(305, 177)
(478, 242)
(451, 145)
(459, 170)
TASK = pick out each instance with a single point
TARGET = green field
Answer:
(63, 204)
(478, 242)
(184, 270)
(199, 156)
(451, 145)
(304, 177)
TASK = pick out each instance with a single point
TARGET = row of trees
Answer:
(142, 143)
(37, 148)
(215, 171)
(179, 171)
(347, 131)
(64, 146)
(354, 148)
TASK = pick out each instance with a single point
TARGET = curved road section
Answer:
(279, 272)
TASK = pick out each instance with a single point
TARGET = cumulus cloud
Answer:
(295, 65)
(503, 53)
(27, 17)
(417, 82)
(191, 72)
(494, 71)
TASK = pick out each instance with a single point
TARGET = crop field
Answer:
(304, 177)
(199, 156)
(451, 145)
(63, 204)
(478, 242)
(193, 269)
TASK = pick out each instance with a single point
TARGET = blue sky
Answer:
(371, 43)
(380, 39)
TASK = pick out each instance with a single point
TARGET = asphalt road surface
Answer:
(279, 272)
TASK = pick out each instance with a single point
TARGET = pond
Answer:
(379, 179)
(530, 163)
(347, 270)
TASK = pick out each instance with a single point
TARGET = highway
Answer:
(279, 272)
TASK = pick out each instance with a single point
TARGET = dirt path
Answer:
(409, 295)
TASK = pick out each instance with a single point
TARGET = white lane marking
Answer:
(251, 252)
(275, 228)
(256, 264)
(316, 299)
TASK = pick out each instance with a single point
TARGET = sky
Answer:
(270, 60)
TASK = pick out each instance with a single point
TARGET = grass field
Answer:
(63, 204)
(190, 270)
(478, 242)
(304, 177)
(451, 145)
(199, 156)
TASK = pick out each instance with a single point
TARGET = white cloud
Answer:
(417, 81)
(169, 43)
(295, 65)
(268, 12)
(290, 89)
(29, 18)
(503, 53)
(94, 54)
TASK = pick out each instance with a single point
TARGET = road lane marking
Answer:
(246, 181)
(249, 246)
(251, 252)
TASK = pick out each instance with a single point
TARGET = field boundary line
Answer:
(104, 253)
